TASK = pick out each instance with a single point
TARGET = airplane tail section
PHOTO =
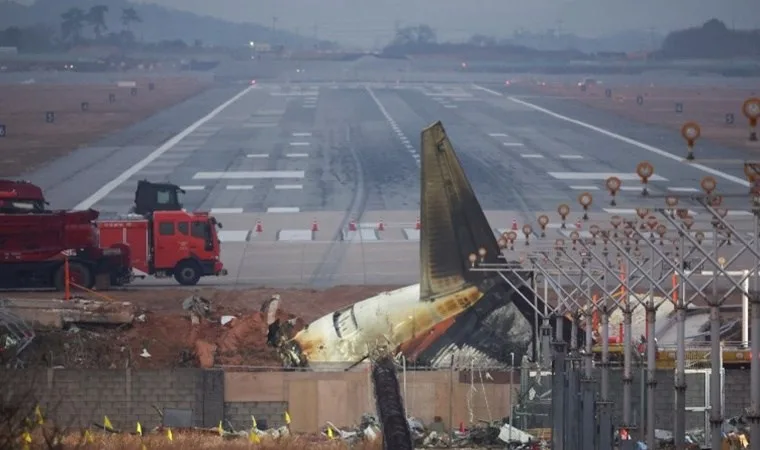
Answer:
(453, 224)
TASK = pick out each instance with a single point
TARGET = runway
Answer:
(299, 156)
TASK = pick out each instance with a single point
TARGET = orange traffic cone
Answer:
(417, 224)
(314, 225)
(352, 225)
(259, 226)
(381, 225)
(514, 224)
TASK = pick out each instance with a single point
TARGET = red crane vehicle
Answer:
(166, 240)
(157, 238)
(35, 244)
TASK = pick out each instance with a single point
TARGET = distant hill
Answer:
(158, 23)
(623, 41)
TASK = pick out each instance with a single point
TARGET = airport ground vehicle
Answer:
(166, 240)
(158, 238)
(35, 244)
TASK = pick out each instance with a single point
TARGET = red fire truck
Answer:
(164, 239)
(158, 238)
(35, 244)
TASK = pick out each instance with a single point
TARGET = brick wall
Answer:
(81, 397)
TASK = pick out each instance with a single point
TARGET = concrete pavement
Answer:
(294, 155)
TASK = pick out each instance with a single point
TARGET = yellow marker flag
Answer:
(107, 423)
(38, 415)
(88, 437)
(220, 429)
(169, 434)
(254, 438)
(253, 421)
(143, 447)
(26, 438)
(287, 418)
(139, 429)
(330, 434)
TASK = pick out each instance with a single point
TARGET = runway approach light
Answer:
(751, 110)
(691, 131)
(464, 65)
(253, 82)
(644, 170)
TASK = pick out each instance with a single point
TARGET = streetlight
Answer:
(511, 392)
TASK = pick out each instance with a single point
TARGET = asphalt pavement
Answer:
(309, 160)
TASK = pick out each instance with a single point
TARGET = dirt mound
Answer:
(164, 336)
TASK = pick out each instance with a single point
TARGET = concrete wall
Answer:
(81, 397)
(342, 397)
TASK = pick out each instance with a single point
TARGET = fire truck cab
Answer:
(165, 239)
(181, 244)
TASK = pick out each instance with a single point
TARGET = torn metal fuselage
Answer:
(390, 319)
(387, 319)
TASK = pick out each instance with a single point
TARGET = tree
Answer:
(711, 40)
(72, 24)
(11, 37)
(128, 17)
(96, 17)
(28, 39)
(414, 35)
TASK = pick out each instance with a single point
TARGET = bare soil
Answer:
(164, 329)
(708, 106)
(31, 141)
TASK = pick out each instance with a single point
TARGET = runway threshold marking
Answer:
(166, 146)
(619, 137)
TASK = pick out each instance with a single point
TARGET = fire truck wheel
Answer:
(79, 275)
(187, 273)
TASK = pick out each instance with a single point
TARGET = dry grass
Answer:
(191, 440)
(31, 142)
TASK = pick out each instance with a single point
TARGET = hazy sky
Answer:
(368, 22)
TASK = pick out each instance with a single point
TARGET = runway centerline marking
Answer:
(620, 137)
(166, 146)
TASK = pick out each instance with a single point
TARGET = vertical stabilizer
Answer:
(453, 223)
